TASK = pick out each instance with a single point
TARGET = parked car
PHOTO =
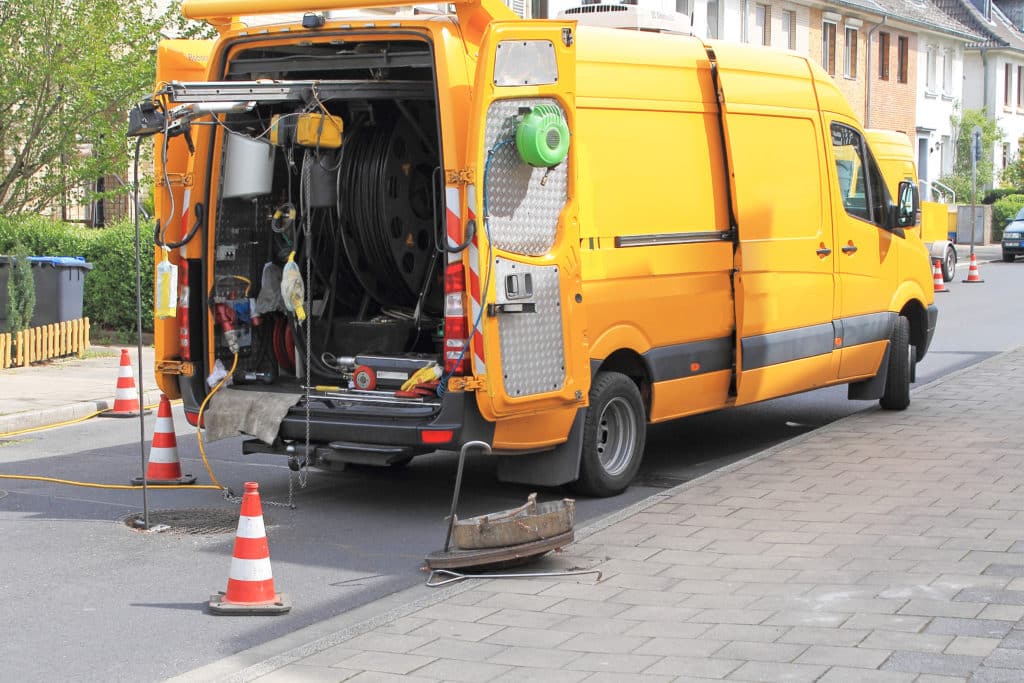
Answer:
(1013, 234)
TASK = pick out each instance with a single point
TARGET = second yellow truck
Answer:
(541, 234)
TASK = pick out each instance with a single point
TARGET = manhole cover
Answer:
(196, 521)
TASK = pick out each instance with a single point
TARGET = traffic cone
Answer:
(973, 275)
(250, 581)
(940, 284)
(126, 396)
(164, 467)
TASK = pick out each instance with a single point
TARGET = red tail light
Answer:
(183, 297)
(456, 325)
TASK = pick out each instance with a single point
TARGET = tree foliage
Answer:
(69, 71)
(960, 179)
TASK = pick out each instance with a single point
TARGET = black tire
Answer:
(901, 361)
(1008, 258)
(949, 264)
(614, 434)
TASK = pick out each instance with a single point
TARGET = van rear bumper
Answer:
(418, 427)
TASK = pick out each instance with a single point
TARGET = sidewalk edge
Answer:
(52, 417)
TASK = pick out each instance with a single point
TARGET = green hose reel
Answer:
(542, 137)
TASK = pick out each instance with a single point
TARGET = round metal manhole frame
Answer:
(187, 521)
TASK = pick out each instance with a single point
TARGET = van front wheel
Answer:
(613, 436)
(901, 362)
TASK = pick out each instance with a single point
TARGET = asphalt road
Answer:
(87, 598)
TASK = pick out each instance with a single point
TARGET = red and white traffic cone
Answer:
(973, 275)
(126, 395)
(164, 467)
(940, 284)
(250, 581)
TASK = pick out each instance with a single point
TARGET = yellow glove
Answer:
(292, 289)
(423, 375)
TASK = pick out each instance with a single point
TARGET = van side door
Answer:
(525, 282)
(784, 279)
(867, 263)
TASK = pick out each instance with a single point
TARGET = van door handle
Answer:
(849, 249)
(498, 309)
(823, 252)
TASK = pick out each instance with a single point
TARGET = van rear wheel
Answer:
(901, 366)
(614, 434)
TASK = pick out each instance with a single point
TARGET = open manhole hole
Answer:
(193, 521)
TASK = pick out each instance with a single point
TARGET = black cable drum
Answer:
(386, 204)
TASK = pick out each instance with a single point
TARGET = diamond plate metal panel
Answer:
(523, 202)
(532, 348)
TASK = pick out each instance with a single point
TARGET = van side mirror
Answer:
(907, 206)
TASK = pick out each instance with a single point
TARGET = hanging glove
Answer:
(422, 376)
(292, 288)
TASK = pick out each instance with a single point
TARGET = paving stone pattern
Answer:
(888, 546)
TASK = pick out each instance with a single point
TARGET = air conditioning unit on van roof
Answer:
(628, 15)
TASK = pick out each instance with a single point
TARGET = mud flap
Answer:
(561, 465)
(872, 389)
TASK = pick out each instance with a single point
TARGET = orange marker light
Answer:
(694, 367)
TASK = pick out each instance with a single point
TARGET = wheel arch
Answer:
(631, 364)
(914, 311)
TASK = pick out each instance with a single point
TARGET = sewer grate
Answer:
(188, 521)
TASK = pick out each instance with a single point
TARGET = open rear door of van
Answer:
(525, 286)
(174, 196)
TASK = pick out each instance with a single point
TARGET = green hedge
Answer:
(109, 299)
(1003, 212)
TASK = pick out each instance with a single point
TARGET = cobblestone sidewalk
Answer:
(885, 547)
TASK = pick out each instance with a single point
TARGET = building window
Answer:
(883, 56)
(711, 10)
(1007, 85)
(1020, 82)
(788, 29)
(762, 24)
(850, 54)
(1006, 154)
(828, 47)
(947, 72)
(683, 7)
(903, 58)
(929, 71)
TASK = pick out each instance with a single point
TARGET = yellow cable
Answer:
(109, 486)
(199, 420)
(74, 421)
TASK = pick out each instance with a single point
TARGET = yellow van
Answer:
(895, 155)
(413, 230)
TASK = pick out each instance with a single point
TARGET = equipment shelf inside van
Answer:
(335, 174)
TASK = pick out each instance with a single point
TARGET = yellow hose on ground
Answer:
(199, 422)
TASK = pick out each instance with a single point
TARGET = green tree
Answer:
(69, 71)
(960, 178)
(1013, 174)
